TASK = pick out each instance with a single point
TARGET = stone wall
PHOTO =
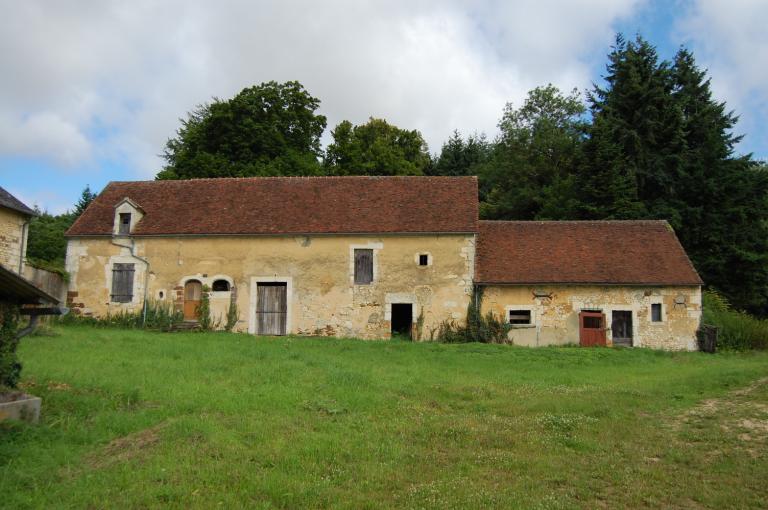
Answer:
(322, 296)
(12, 235)
(49, 282)
(555, 312)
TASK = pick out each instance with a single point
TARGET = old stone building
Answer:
(347, 256)
(370, 257)
(591, 282)
(14, 226)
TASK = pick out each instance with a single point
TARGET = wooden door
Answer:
(271, 308)
(591, 329)
(193, 292)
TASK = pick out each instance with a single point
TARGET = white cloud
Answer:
(730, 39)
(44, 135)
(124, 72)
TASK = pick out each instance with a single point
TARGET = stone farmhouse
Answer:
(370, 257)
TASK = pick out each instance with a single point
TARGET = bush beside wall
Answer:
(737, 330)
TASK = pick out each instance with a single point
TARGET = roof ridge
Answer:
(300, 177)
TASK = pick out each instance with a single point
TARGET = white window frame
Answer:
(418, 262)
(527, 308)
(375, 247)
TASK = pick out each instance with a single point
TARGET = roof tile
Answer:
(581, 252)
(289, 205)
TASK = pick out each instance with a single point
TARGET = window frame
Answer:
(217, 280)
(508, 309)
(359, 278)
(519, 313)
(660, 306)
(123, 227)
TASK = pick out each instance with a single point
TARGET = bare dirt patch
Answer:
(740, 414)
(123, 449)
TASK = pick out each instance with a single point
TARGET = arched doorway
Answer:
(193, 292)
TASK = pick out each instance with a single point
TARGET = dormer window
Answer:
(128, 214)
(125, 224)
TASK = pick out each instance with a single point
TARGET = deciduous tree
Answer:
(269, 129)
(376, 148)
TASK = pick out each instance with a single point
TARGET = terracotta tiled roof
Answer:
(289, 205)
(581, 252)
(11, 202)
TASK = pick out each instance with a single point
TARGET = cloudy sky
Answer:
(91, 90)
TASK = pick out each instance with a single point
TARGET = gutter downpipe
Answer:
(22, 249)
(132, 249)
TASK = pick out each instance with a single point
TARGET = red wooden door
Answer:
(591, 329)
(193, 293)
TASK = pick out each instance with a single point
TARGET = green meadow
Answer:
(135, 419)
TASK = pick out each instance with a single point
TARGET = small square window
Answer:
(125, 223)
(423, 259)
(656, 312)
(519, 316)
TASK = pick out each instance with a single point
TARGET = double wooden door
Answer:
(271, 308)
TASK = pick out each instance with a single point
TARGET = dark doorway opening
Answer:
(621, 327)
(402, 320)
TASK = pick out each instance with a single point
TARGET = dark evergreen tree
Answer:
(460, 157)
(723, 198)
(86, 197)
(636, 140)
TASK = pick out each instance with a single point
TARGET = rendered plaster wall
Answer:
(318, 270)
(555, 312)
(12, 235)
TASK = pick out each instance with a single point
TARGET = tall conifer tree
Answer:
(724, 198)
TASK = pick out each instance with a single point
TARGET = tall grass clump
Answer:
(160, 315)
(488, 328)
(203, 310)
(233, 315)
(737, 330)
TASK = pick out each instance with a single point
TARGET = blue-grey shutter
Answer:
(363, 266)
(122, 283)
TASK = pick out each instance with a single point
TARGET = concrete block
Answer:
(20, 406)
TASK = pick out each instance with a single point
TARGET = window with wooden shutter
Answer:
(122, 283)
(363, 266)
(519, 316)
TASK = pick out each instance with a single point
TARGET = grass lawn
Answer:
(136, 419)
